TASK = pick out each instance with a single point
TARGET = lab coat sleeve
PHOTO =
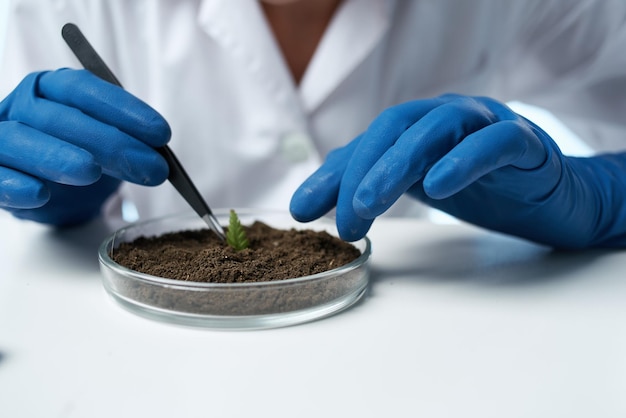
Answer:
(576, 68)
(28, 45)
(33, 39)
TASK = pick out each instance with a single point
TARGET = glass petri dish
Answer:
(233, 306)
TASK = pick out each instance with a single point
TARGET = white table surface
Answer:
(458, 322)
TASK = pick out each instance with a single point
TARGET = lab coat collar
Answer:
(240, 27)
(352, 35)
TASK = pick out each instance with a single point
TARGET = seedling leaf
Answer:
(236, 235)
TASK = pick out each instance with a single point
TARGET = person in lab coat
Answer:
(368, 107)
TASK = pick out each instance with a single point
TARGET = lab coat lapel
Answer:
(240, 27)
(353, 33)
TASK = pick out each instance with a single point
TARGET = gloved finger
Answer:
(415, 151)
(120, 155)
(21, 191)
(57, 211)
(504, 143)
(40, 155)
(381, 135)
(317, 195)
(108, 103)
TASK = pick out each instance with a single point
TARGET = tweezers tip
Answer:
(215, 226)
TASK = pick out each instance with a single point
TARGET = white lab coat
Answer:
(248, 136)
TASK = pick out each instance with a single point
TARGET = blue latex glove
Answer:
(67, 139)
(477, 160)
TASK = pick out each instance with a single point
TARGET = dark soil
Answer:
(200, 256)
(273, 255)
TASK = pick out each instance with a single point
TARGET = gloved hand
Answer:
(477, 160)
(67, 139)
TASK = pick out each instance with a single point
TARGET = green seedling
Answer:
(236, 235)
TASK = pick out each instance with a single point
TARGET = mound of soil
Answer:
(200, 256)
